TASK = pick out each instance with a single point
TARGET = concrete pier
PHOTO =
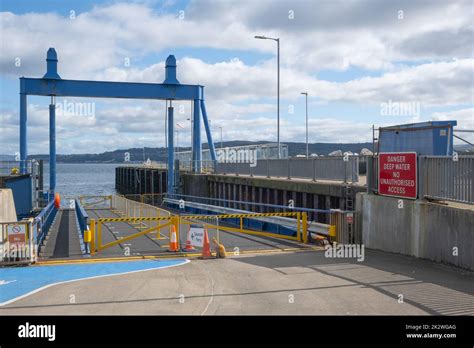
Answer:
(304, 193)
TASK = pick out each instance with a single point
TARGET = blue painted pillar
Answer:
(208, 131)
(170, 178)
(23, 134)
(52, 147)
(197, 146)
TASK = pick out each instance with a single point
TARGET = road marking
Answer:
(212, 295)
(22, 287)
(4, 282)
(167, 256)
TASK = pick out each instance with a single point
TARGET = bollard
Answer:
(87, 239)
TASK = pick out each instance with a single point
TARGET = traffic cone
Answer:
(57, 201)
(188, 246)
(206, 248)
(173, 240)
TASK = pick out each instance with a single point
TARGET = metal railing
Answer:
(444, 178)
(342, 220)
(43, 221)
(337, 168)
(207, 166)
(81, 215)
(12, 167)
(287, 225)
(147, 198)
(134, 209)
(439, 177)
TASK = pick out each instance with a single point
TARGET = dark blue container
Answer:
(426, 138)
(22, 190)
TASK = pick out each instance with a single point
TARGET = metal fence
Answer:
(12, 167)
(439, 177)
(43, 222)
(445, 178)
(207, 166)
(338, 168)
(81, 215)
(13, 251)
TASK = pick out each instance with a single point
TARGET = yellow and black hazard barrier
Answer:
(133, 219)
(154, 219)
(236, 216)
(301, 221)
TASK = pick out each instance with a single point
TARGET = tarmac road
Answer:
(278, 283)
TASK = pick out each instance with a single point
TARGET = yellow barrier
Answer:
(132, 236)
(92, 244)
(301, 224)
(91, 201)
(147, 198)
(150, 219)
(142, 216)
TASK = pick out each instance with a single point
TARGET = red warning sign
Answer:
(397, 174)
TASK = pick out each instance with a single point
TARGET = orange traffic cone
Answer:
(188, 246)
(173, 240)
(57, 201)
(206, 248)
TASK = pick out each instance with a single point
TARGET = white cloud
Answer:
(465, 118)
(329, 35)
(425, 57)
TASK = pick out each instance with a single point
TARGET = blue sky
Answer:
(352, 57)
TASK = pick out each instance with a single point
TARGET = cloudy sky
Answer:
(360, 62)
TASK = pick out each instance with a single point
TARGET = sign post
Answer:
(397, 174)
(196, 236)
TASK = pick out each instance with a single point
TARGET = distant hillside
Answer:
(160, 154)
(7, 158)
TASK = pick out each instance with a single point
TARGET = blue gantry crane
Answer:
(51, 84)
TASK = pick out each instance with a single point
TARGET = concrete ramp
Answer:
(7, 206)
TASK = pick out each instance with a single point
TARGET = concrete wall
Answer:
(7, 206)
(421, 229)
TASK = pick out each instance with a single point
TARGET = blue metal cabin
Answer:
(426, 138)
(22, 189)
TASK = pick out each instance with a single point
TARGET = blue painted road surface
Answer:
(19, 282)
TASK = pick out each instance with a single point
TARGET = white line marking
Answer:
(185, 261)
(212, 295)
(3, 282)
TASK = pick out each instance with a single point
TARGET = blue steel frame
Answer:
(52, 85)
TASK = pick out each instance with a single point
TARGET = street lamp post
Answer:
(307, 147)
(261, 37)
(221, 137)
